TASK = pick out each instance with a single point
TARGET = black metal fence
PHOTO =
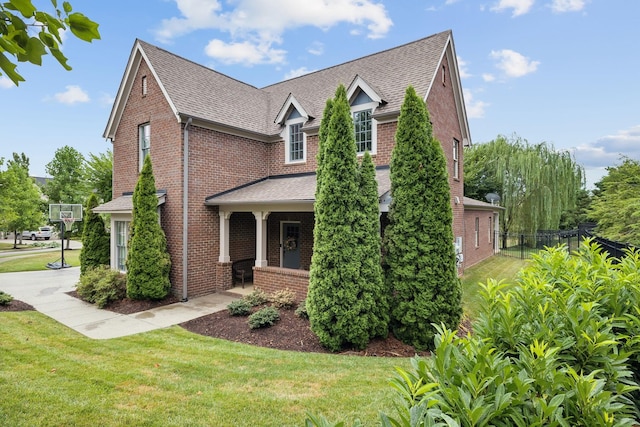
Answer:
(523, 246)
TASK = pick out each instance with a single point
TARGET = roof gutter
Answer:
(185, 208)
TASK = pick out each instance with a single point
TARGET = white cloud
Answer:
(560, 6)
(256, 25)
(72, 95)
(246, 53)
(607, 150)
(316, 48)
(520, 7)
(488, 77)
(462, 67)
(475, 109)
(106, 99)
(513, 64)
(297, 73)
(6, 83)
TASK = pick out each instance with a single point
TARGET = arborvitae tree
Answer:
(338, 304)
(148, 262)
(367, 250)
(95, 239)
(420, 264)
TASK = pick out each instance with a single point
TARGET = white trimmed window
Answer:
(144, 140)
(121, 238)
(296, 139)
(456, 158)
(477, 232)
(144, 85)
(365, 126)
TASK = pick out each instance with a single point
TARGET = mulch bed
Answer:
(16, 305)
(291, 332)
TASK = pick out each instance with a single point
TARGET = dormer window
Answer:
(295, 139)
(362, 107)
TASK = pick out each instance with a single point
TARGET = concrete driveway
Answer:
(46, 292)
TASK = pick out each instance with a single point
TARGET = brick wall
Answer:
(271, 279)
(472, 253)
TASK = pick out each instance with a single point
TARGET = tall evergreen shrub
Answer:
(148, 262)
(420, 266)
(95, 239)
(339, 302)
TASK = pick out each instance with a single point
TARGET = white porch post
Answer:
(261, 238)
(224, 236)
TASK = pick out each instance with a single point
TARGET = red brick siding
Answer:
(472, 253)
(271, 279)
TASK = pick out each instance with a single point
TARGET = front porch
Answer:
(272, 221)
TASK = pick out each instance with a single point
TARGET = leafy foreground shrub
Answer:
(283, 298)
(239, 308)
(5, 299)
(256, 297)
(101, 285)
(560, 348)
(263, 318)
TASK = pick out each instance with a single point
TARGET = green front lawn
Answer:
(33, 261)
(53, 376)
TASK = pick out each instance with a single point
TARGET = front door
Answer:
(291, 245)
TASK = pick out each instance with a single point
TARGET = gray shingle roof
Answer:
(124, 204)
(285, 189)
(479, 204)
(203, 93)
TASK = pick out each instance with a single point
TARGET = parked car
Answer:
(41, 233)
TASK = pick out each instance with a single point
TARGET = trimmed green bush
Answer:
(5, 298)
(283, 298)
(102, 285)
(419, 261)
(95, 239)
(301, 311)
(148, 262)
(239, 308)
(256, 297)
(264, 318)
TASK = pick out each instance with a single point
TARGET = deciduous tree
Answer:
(536, 183)
(20, 198)
(18, 40)
(148, 262)
(616, 206)
(99, 174)
(420, 264)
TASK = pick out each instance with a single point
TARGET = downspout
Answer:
(185, 207)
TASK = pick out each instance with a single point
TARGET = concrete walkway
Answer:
(45, 291)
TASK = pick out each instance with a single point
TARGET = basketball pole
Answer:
(62, 245)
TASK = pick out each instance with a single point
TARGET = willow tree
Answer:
(536, 183)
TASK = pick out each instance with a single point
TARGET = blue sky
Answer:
(559, 71)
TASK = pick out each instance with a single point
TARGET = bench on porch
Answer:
(243, 270)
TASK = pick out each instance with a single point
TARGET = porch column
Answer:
(261, 238)
(224, 236)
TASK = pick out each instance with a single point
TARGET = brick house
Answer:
(235, 164)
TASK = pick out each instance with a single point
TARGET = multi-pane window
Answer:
(456, 158)
(145, 142)
(363, 133)
(296, 142)
(477, 232)
(121, 237)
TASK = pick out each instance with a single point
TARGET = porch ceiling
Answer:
(291, 189)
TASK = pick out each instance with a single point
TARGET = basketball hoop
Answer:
(68, 222)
